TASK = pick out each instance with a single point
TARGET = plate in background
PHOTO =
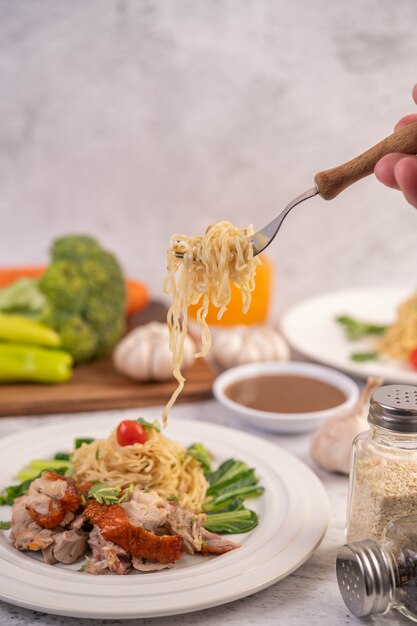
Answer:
(293, 514)
(311, 329)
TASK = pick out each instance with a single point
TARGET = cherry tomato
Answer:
(130, 432)
(413, 358)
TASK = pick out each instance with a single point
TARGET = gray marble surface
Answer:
(309, 595)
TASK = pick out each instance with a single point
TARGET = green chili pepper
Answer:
(16, 328)
(23, 362)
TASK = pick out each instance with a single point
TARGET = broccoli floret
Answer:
(86, 289)
(78, 338)
(65, 286)
(74, 247)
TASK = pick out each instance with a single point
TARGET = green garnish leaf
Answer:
(202, 455)
(80, 440)
(361, 357)
(233, 522)
(355, 329)
(146, 424)
(97, 454)
(106, 494)
(5, 525)
(83, 567)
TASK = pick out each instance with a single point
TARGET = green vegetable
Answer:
(355, 329)
(80, 440)
(81, 295)
(231, 504)
(361, 357)
(23, 362)
(233, 522)
(95, 294)
(38, 466)
(250, 491)
(62, 456)
(23, 297)
(20, 329)
(105, 494)
(231, 483)
(226, 470)
(202, 455)
(5, 525)
(146, 424)
(8, 494)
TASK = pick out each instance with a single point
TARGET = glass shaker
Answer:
(383, 477)
(376, 576)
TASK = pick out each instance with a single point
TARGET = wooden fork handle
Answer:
(331, 182)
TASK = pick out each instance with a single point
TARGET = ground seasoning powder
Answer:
(383, 480)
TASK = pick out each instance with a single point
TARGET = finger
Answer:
(384, 169)
(415, 93)
(405, 172)
(405, 121)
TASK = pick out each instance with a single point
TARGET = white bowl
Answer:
(285, 422)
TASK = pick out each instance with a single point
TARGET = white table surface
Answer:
(309, 595)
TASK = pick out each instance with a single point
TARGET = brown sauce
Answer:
(285, 393)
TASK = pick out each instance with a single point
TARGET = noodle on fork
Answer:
(202, 273)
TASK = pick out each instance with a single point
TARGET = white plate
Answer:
(311, 329)
(293, 519)
(285, 422)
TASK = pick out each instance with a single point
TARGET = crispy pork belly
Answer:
(25, 533)
(215, 544)
(106, 555)
(116, 527)
(51, 500)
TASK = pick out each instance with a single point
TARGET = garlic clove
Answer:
(227, 346)
(136, 363)
(160, 361)
(331, 445)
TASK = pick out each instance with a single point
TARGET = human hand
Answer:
(399, 171)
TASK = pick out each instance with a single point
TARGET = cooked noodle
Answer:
(159, 464)
(203, 274)
(401, 337)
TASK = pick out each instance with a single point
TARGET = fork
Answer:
(330, 183)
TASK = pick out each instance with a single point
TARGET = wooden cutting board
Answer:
(97, 386)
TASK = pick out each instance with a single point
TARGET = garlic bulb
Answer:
(331, 445)
(144, 353)
(243, 344)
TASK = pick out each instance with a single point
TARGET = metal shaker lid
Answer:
(394, 407)
(365, 577)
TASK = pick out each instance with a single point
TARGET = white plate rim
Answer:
(275, 557)
(289, 325)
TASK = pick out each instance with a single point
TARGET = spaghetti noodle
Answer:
(199, 271)
(401, 337)
(159, 464)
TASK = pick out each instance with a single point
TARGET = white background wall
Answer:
(132, 120)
